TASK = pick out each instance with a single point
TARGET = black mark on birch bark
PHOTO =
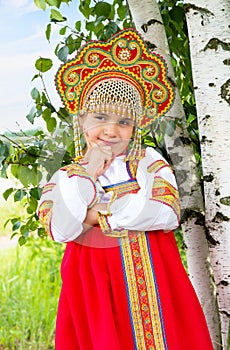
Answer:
(202, 10)
(145, 26)
(210, 239)
(225, 313)
(225, 91)
(219, 217)
(226, 62)
(151, 46)
(193, 214)
(204, 139)
(214, 44)
(208, 178)
(223, 283)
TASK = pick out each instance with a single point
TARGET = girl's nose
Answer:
(110, 129)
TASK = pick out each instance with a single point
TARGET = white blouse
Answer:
(69, 193)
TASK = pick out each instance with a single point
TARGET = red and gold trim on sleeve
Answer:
(48, 187)
(45, 215)
(157, 166)
(142, 291)
(165, 193)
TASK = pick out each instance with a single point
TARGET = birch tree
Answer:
(148, 21)
(210, 65)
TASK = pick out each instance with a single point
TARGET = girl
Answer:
(124, 286)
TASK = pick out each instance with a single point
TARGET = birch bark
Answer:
(208, 25)
(148, 21)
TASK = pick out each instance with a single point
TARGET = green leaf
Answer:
(19, 194)
(41, 232)
(22, 240)
(62, 31)
(99, 20)
(31, 115)
(35, 93)
(48, 31)
(44, 98)
(46, 114)
(33, 203)
(56, 3)
(7, 193)
(63, 53)
(102, 9)
(36, 192)
(78, 26)
(225, 200)
(14, 170)
(16, 225)
(73, 44)
(111, 29)
(56, 16)
(85, 9)
(121, 11)
(24, 231)
(177, 14)
(43, 64)
(41, 4)
(51, 124)
(35, 77)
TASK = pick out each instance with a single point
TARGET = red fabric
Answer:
(93, 311)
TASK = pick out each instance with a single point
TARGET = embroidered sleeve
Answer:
(45, 215)
(155, 206)
(64, 202)
(167, 194)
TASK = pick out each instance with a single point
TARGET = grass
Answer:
(29, 291)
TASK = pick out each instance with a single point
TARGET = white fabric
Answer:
(71, 198)
(137, 211)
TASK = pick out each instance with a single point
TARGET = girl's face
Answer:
(107, 128)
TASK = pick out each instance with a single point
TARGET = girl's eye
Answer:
(100, 117)
(126, 122)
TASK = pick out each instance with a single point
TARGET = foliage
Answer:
(29, 289)
(32, 157)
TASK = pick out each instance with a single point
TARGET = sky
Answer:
(23, 41)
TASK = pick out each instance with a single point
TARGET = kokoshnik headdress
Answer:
(120, 74)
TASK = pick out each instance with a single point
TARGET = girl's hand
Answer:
(99, 158)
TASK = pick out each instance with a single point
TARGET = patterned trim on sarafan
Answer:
(123, 188)
(165, 193)
(45, 215)
(48, 187)
(157, 166)
(142, 291)
(78, 170)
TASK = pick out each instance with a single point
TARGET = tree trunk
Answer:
(209, 21)
(148, 21)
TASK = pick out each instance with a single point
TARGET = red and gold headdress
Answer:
(121, 71)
